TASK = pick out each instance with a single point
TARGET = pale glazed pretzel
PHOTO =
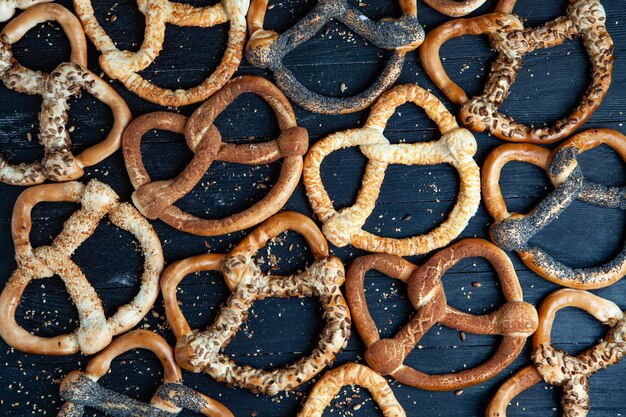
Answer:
(125, 66)
(456, 147)
(557, 367)
(65, 81)
(513, 231)
(455, 8)
(515, 320)
(8, 7)
(155, 199)
(81, 389)
(200, 350)
(585, 19)
(95, 331)
(332, 381)
(266, 49)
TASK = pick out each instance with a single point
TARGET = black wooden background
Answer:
(413, 200)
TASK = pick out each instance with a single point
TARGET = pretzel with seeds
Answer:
(513, 231)
(81, 389)
(557, 367)
(455, 8)
(125, 66)
(201, 350)
(585, 19)
(267, 49)
(66, 81)
(155, 199)
(95, 331)
(515, 320)
(456, 147)
(9, 7)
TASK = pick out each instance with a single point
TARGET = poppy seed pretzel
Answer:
(95, 331)
(126, 66)
(9, 7)
(266, 49)
(201, 350)
(585, 19)
(456, 147)
(557, 367)
(513, 231)
(81, 389)
(455, 8)
(66, 81)
(515, 320)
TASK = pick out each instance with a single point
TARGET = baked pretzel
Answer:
(9, 7)
(267, 49)
(456, 147)
(81, 389)
(95, 331)
(455, 8)
(585, 19)
(351, 374)
(125, 66)
(65, 81)
(155, 199)
(557, 367)
(515, 320)
(200, 351)
(513, 231)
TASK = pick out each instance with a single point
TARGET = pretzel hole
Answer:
(200, 296)
(543, 15)
(353, 401)
(379, 9)
(123, 22)
(282, 15)
(43, 47)
(410, 124)
(248, 119)
(523, 186)
(542, 399)
(575, 331)
(342, 184)
(287, 253)
(19, 128)
(89, 122)
(388, 302)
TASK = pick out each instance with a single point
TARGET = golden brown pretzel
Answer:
(558, 368)
(200, 351)
(515, 320)
(585, 19)
(81, 389)
(155, 199)
(455, 8)
(513, 231)
(95, 331)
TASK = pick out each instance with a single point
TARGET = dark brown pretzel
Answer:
(515, 320)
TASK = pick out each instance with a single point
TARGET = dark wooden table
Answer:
(413, 200)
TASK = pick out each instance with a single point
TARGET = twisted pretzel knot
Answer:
(155, 199)
(125, 66)
(456, 147)
(513, 231)
(8, 7)
(266, 49)
(81, 389)
(515, 320)
(585, 19)
(455, 8)
(200, 351)
(558, 368)
(95, 331)
(351, 374)
(65, 81)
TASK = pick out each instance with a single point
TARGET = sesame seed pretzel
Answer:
(557, 367)
(513, 231)
(8, 7)
(332, 381)
(200, 350)
(95, 331)
(65, 81)
(585, 19)
(125, 66)
(515, 320)
(455, 8)
(456, 147)
(155, 199)
(266, 49)
(81, 389)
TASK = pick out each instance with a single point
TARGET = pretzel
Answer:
(267, 49)
(125, 66)
(8, 7)
(585, 19)
(515, 320)
(155, 199)
(456, 147)
(351, 374)
(81, 389)
(200, 351)
(557, 367)
(455, 8)
(65, 81)
(95, 331)
(513, 231)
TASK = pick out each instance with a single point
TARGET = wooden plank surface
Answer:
(413, 200)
